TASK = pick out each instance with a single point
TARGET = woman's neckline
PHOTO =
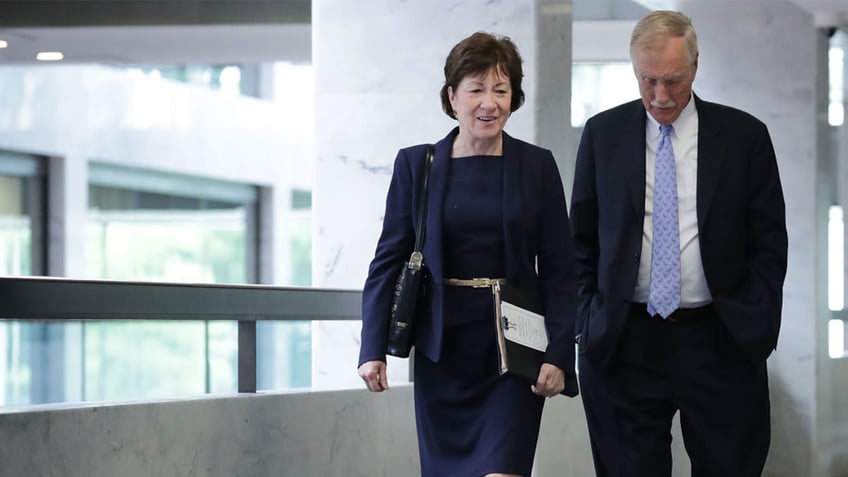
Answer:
(467, 156)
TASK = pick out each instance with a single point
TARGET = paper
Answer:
(524, 327)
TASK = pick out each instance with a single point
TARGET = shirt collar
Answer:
(685, 124)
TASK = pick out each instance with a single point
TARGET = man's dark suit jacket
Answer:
(535, 223)
(741, 225)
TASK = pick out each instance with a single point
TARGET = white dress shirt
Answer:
(684, 140)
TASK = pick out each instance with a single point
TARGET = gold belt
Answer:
(473, 282)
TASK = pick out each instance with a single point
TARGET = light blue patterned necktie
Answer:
(664, 295)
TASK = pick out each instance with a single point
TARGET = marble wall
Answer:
(328, 434)
(344, 433)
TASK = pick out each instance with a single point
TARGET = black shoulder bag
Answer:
(411, 286)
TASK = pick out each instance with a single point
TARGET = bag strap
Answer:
(422, 210)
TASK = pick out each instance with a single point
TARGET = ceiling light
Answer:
(3, 44)
(49, 56)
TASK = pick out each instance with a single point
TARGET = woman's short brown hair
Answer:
(476, 55)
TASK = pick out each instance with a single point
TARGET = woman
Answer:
(496, 209)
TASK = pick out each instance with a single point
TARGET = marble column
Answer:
(553, 103)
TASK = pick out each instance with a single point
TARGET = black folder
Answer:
(521, 333)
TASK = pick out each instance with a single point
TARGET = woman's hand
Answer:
(374, 375)
(551, 381)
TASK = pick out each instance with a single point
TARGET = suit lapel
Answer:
(438, 183)
(711, 153)
(512, 203)
(634, 162)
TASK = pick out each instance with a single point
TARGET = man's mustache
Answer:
(668, 104)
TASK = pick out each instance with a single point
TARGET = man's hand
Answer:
(551, 381)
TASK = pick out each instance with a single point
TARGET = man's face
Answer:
(665, 78)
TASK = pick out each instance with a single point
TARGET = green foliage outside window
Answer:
(149, 359)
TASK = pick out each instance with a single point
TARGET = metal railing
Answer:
(62, 299)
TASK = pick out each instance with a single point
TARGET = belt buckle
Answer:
(482, 282)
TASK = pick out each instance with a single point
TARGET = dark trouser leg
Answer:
(599, 418)
(726, 423)
(693, 366)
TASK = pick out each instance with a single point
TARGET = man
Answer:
(693, 186)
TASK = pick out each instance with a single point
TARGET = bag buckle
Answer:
(415, 260)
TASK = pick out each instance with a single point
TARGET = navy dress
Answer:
(471, 421)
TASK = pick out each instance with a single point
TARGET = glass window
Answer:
(15, 227)
(300, 237)
(152, 226)
(284, 358)
(299, 344)
(836, 79)
(836, 221)
(135, 235)
(21, 253)
(599, 86)
(229, 79)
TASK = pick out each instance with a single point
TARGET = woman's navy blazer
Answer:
(538, 252)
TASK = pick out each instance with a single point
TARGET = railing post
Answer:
(247, 356)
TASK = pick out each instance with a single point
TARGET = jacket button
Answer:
(636, 259)
(627, 300)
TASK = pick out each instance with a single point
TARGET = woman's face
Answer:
(482, 104)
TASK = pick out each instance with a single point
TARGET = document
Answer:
(524, 327)
(521, 333)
